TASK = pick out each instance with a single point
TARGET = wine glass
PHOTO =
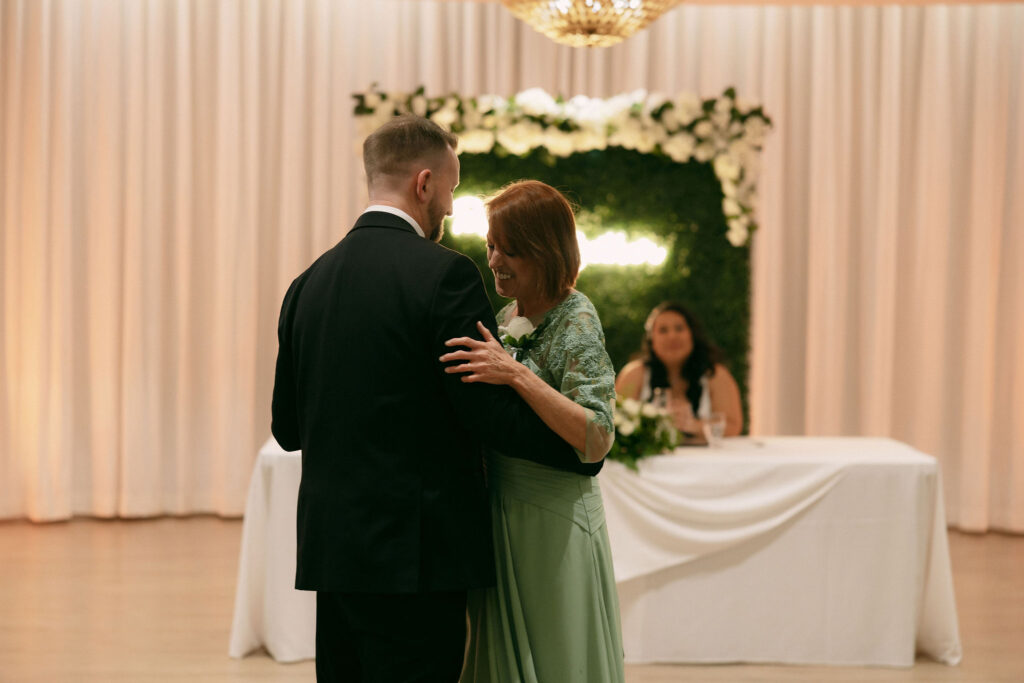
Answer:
(714, 429)
(659, 398)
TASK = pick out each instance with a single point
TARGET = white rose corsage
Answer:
(517, 334)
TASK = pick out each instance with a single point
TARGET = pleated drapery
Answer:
(169, 166)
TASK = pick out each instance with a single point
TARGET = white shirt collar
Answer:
(397, 212)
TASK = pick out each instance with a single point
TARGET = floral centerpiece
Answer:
(641, 429)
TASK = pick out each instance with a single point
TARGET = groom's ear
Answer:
(422, 179)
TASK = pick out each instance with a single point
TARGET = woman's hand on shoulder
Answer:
(631, 377)
(484, 361)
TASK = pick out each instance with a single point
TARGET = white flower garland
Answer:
(724, 131)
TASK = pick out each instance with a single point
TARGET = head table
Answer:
(777, 549)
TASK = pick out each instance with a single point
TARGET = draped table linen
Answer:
(789, 550)
(795, 550)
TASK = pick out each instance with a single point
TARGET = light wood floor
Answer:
(91, 600)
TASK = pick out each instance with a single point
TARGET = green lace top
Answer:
(566, 350)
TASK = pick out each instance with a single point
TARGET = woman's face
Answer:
(515, 276)
(671, 340)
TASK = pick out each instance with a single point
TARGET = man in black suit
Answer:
(393, 518)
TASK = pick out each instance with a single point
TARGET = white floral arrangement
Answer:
(725, 131)
(641, 429)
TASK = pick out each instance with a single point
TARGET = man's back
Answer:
(392, 496)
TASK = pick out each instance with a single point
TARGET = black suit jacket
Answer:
(392, 498)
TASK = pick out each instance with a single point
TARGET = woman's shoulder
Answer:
(578, 301)
(633, 367)
(578, 315)
(719, 374)
(577, 306)
(630, 379)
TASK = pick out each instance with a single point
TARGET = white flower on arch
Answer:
(724, 131)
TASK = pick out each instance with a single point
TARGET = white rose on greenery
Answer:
(587, 140)
(619, 119)
(650, 410)
(730, 207)
(618, 417)
(654, 100)
(471, 117)
(628, 134)
(536, 102)
(371, 100)
(747, 198)
(627, 427)
(687, 108)
(720, 141)
(612, 112)
(754, 130)
(419, 105)
(704, 152)
(742, 152)
(670, 120)
(726, 167)
(504, 119)
(517, 334)
(720, 123)
(476, 141)
(488, 103)
(445, 117)
(703, 130)
(729, 188)
(739, 230)
(559, 143)
(646, 141)
(723, 105)
(519, 326)
(736, 235)
(679, 147)
(632, 407)
(520, 138)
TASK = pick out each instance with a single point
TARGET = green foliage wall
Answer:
(642, 195)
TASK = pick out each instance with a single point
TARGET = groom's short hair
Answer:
(403, 143)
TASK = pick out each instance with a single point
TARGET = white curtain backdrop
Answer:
(169, 166)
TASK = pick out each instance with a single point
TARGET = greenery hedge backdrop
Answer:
(679, 205)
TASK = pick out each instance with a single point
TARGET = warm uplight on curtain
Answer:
(167, 167)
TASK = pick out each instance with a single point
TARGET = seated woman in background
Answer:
(681, 364)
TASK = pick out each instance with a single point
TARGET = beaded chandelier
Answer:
(588, 23)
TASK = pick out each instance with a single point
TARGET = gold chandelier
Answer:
(588, 23)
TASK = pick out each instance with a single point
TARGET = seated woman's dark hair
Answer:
(700, 362)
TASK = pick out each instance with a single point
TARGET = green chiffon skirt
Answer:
(554, 615)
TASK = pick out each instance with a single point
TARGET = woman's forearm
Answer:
(560, 413)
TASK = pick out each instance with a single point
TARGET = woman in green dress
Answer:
(554, 615)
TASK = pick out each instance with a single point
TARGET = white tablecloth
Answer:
(268, 609)
(795, 550)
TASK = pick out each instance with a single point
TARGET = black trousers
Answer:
(389, 638)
